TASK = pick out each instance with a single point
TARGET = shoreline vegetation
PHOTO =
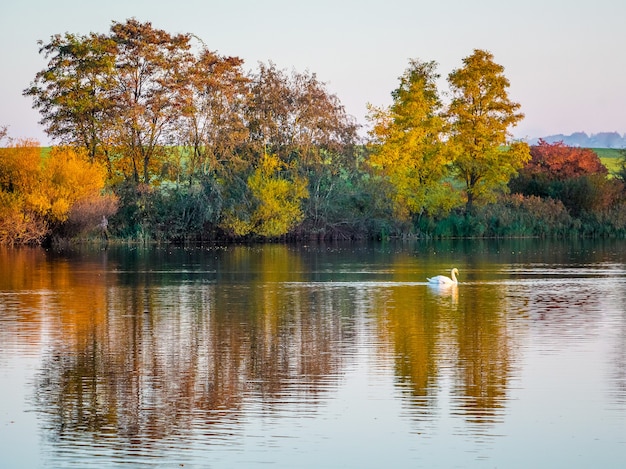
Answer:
(160, 140)
(596, 208)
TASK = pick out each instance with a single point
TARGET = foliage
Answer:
(275, 206)
(408, 149)
(19, 224)
(294, 116)
(558, 161)
(350, 205)
(117, 95)
(512, 216)
(38, 195)
(575, 176)
(607, 223)
(158, 111)
(68, 177)
(589, 193)
(168, 140)
(150, 68)
(21, 201)
(517, 215)
(180, 213)
(212, 125)
(426, 153)
(480, 115)
(73, 93)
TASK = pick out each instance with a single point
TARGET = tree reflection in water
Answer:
(147, 359)
(142, 346)
(450, 343)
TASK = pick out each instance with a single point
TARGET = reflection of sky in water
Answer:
(18, 424)
(378, 369)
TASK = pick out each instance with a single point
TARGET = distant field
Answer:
(610, 157)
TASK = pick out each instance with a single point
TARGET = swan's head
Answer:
(455, 271)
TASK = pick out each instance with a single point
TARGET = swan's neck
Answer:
(453, 276)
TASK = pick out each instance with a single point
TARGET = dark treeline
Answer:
(182, 144)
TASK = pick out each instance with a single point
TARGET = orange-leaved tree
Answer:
(37, 194)
(74, 191)
(20, 206)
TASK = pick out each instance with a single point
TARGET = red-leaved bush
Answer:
(557, 161)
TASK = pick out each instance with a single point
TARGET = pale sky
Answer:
(564, 59)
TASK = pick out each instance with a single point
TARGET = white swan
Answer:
(443, 280)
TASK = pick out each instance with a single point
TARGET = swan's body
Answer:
(443, 280)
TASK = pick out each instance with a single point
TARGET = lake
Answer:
(315, 356)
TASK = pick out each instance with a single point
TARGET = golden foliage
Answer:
(70, 178)
(408, 150)
(20, 203)
(37, 193)
(480, 115)
(17, 223)
(20, 164)
(276, 196)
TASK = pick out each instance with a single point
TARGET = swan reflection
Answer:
(449, 291)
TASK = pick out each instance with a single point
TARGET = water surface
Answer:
(315, 356)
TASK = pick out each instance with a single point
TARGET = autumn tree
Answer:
(156, 110)
(407, 143)
(295, 117)
(268, 111)
(480, 115)
(69, 177)
(211, 124)
(38, 194)
(73, 93)
(320, 125)
(117, 95)
(559, 161)
(323, 142)
(151, 65)
(573, 175)
(21, 204)
(272, 206)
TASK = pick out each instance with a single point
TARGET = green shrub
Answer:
(512, 216)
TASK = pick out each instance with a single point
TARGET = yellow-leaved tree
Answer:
(274, 205)
(480, 115)
(408, 149)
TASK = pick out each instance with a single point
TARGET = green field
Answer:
(610, 157)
